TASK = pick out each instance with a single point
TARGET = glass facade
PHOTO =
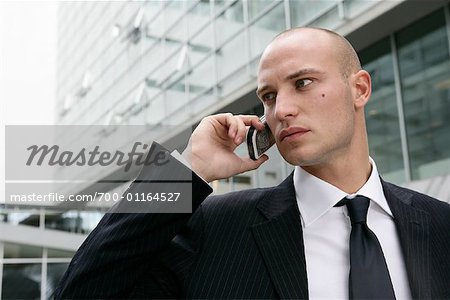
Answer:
(423, 58)
(75, 221)
(173, 62)
(187, 56)
(306, 12)
(159, 45)
(21, 281)
(420, 105)
(383, 126)
(22, 268)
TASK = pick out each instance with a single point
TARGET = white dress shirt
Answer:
(326, 234)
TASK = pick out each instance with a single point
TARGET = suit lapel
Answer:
(413, 229)
(280, 240)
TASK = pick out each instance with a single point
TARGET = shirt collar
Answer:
(316, 196)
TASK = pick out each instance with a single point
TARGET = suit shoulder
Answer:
(236, 199)
(420, 200)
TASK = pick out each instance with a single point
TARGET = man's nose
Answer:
(285, 107)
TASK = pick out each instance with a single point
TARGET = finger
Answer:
(228, 121)
(236, 125)
(249, 164)
(252, 120)
(241, 132)
(246, 121)
(238, 129)
(233, 125)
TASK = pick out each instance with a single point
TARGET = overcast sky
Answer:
(28, 58)
(27, 67)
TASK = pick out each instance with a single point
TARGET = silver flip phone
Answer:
(259, 142)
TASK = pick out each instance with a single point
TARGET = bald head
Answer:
(345, 53)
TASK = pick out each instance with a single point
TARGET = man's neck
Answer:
(348, 176)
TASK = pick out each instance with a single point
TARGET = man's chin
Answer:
(299, 158)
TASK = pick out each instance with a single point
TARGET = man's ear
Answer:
(362, 85)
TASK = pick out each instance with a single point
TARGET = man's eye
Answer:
(302, 83)
(268, 97)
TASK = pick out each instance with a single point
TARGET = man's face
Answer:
(308, 103)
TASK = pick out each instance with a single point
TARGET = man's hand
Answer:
(211, 147)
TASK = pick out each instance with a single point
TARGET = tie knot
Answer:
(357, 208)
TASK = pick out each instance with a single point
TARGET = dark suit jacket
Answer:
(245, 244)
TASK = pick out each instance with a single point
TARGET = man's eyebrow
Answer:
(303, 72)
(299, 73)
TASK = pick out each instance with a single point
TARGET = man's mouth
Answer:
(291, 133)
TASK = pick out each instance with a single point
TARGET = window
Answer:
(305, 11)
(21, 281)
(424, 65)
(265, 29)
(382, 113)
(229, 22)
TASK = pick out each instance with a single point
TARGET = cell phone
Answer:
(260, 141)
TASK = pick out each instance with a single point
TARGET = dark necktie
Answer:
(369, 276)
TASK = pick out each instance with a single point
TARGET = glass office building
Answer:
(174, 62)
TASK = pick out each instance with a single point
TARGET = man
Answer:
(289, 241)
